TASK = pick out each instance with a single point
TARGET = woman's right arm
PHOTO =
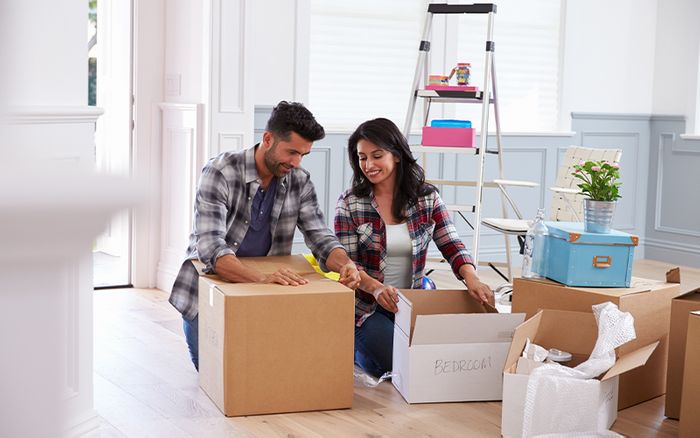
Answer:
(346, 230)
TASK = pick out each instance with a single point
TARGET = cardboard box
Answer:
(690, 404)
(266, 348)
(448, 347)
(680, 312)
(578, 258)
(545, 330)
(648, 301)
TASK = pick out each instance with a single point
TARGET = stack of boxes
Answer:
(271, 349)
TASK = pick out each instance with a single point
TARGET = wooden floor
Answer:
(145, 385)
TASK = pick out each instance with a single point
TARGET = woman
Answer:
(386, 221)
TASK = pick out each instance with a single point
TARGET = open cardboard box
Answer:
(689, 426)
(680, 314)
(649, 302)
(268, 348)
(576, 333)
(448, 347)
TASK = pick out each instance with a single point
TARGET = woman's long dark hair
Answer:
(410, 178)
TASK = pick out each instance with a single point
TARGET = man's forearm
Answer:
(231, 269)
(337, 259)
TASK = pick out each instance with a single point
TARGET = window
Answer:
(362, 59)
(363, 56)
(527, 59)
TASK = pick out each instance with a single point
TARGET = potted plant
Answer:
(600, 185)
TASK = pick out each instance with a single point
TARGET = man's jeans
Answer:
(191, 329)
(374, 341)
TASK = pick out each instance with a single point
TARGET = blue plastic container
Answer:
(450, 123)
(577, 258)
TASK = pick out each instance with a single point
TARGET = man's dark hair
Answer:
(288, 117)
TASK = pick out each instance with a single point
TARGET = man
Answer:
(249, 204)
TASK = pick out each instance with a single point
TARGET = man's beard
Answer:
(275, 167)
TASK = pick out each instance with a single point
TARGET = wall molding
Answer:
(611, 116)
(182, 158)
(667, 118)
(54, 114)
(658, 226)
(672, 246)
(228, 142)
(238, 105)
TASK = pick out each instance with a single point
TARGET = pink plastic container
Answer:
(454, 137)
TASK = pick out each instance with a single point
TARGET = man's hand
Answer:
(387, 297)
(286, 277)
(480, 291)
(349, 275)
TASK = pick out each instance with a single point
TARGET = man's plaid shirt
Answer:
(361, 230)
(222, 212)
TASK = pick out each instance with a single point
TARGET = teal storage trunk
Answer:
(578, 258)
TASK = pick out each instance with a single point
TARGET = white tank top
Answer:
(399, 257)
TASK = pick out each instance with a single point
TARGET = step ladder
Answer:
(485, 97)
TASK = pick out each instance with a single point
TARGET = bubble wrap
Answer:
(566, 399)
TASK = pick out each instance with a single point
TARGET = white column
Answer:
(51, 208)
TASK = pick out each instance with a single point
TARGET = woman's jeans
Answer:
(374, 341)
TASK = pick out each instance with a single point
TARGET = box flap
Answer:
(693, 295)
(436, 302)
(630, 361)
(673, 275)
(547, 329)
(573, 232)
(637, 285)
(269, 264)
(465, 328)
(317, 284)
(199, 266)
(526, 330)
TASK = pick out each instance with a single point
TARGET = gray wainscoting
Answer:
(673, 205)
(657, 168)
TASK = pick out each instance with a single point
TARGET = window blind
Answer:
(363, 55)
(362, 59)
(527, 58)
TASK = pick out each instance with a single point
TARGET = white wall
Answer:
(274, 33)
(676, 69)
(626, 56)
(608, 57)
(186, 53)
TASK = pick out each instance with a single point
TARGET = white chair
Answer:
(567, 202)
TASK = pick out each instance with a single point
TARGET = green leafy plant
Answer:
(599, 180)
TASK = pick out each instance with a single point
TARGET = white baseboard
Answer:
(88, 426)
(672, 252)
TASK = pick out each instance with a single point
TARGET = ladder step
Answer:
(451, 182)
(477, 8)
(452, 96)
(460, 207)
(496, 264)
(420, 149)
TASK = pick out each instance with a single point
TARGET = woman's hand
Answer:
(480, 291)
(387, 297)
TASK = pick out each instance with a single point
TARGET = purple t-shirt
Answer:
(258, 239)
